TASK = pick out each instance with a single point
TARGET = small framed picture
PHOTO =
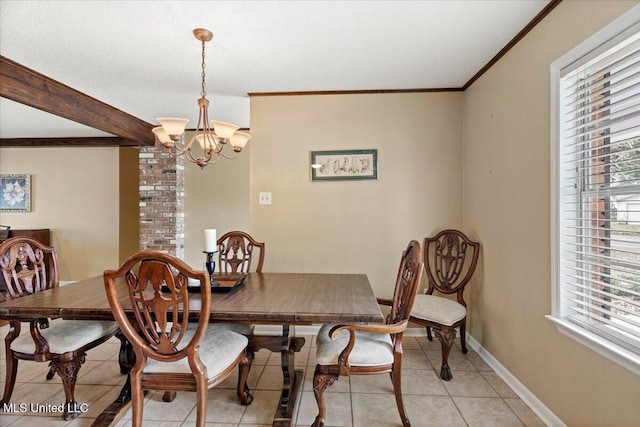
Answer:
(339, 165)
(15, 193)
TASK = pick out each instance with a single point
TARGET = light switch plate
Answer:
(264, 198)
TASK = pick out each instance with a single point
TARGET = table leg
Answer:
(292, 378)
(116, 409)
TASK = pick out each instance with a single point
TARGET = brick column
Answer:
(161, 186)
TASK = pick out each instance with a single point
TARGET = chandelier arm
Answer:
(181, 147)
(178, 149)
(215, 159)
(189, 155)
(230, 157)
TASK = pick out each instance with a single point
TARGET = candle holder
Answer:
(211, 267)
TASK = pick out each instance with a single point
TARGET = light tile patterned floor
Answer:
(475, 396)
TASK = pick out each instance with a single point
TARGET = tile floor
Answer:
(475, 396)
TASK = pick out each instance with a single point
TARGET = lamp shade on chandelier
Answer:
(211, 136)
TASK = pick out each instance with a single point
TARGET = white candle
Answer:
(210, 240)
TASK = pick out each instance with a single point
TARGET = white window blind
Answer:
(599, 194)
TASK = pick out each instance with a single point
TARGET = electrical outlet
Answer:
(264, 198)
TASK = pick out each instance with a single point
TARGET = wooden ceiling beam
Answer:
(102, 141)
(29, 87)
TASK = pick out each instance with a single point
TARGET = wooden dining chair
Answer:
(450, 258)
(370, 349)
(29, 267)
(237, 251)
(174, 348)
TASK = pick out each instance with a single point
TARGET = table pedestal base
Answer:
(292, 379)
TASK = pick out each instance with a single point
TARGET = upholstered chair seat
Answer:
(370, 349)
(65, 335)
(438, 309)
(218, 350)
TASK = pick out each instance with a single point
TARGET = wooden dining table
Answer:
(285, 299)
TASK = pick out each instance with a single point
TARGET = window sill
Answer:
(620, 355)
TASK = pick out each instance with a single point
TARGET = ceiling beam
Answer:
(102, 141)
(29, 87)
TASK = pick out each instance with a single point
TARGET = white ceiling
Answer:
(142, 58)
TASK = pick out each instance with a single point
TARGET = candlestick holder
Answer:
(211, 267)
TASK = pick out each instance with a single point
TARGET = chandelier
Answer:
(211, 140)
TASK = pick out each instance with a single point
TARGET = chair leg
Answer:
(10, 378)
(137, 402)
(320, 383)
(463, 336)
(201, 399)
(68, 372)
(429, 336)
(396, 379)
(243, 374)
(168, 396)
(446, 337)
(50, 374)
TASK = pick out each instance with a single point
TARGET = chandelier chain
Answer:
(204, 92)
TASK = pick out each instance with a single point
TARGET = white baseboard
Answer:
(544, 413)
(539, 408)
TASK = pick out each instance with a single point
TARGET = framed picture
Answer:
(15, 193)
(339, 165)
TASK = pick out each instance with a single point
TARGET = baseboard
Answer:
(545, 414)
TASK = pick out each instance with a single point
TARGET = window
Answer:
(596, 192)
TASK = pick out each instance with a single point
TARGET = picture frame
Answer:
(344, 165)
(15, 193)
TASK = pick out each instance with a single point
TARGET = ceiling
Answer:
(142, 58)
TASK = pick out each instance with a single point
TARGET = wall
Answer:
(354, 226)
(215, 197)
(75, 194)
(129, 242)
(506, 170)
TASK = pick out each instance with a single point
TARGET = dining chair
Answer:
(174, 348)
(450, 258)
(236, 252)
(370, 349)
(28, 267)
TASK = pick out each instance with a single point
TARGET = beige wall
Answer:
(354, 226)
(507, 207)
(215, 197)
(75, 194)
(129, 212)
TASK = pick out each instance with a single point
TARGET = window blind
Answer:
(599, 222)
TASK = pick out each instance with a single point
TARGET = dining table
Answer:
(285, 299)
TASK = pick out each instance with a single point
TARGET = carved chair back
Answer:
(156, 283)
(450, 259)
(407, 283)
(28, 266)
(236, 252)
